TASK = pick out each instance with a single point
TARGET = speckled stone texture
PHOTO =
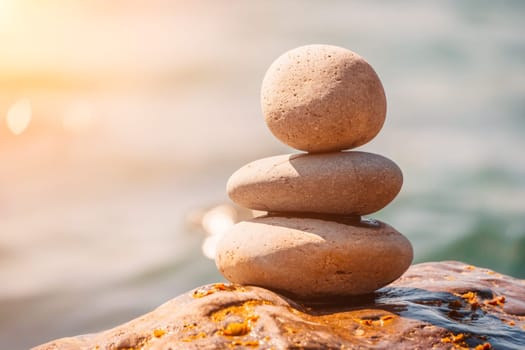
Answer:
(446, 305)
(312, 257)
(344, 183)
(320, 98)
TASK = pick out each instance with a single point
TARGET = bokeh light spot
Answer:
(19, 116)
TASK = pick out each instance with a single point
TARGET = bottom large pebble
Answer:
(313, 257)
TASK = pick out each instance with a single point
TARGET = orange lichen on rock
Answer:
(251, 343)
(471, 298)
(374, 324)
(158, 332)
(245, 312)
(456, 340)
(240, 328)
(192, 337)
(496, 301)
(237, 328)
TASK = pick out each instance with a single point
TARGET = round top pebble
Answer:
(321, 98)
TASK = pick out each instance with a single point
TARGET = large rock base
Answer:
(433, 305)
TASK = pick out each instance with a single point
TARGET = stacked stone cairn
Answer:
(313, 243)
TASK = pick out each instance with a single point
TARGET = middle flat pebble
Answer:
(346, 183)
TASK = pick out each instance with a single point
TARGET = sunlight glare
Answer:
(216, 222)
(19, 116)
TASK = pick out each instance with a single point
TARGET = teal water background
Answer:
(94, 228)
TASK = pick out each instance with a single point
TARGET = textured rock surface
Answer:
(345, 183)
(313, 257)
(446, 305)
(320, 98)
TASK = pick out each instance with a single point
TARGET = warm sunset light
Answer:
(6, 9)
(122, 122)
(19, 116)
(78, 117)
(10, 16)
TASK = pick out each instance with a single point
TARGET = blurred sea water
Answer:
(95, 222)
